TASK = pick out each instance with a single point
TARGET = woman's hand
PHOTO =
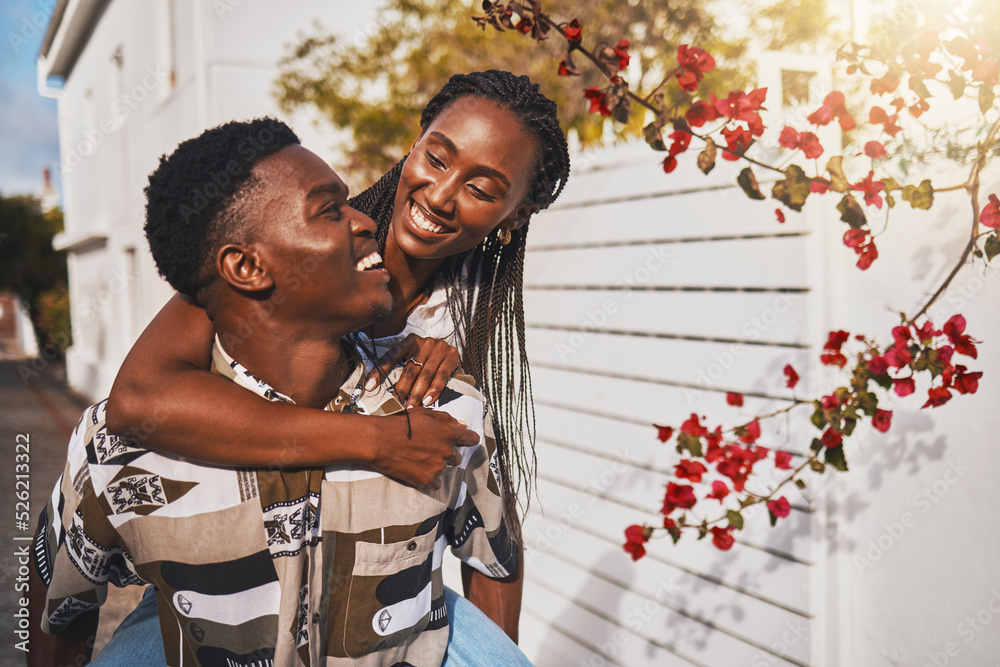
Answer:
(429, 364)
(417, 445)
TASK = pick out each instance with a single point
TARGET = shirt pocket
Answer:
(392, 588)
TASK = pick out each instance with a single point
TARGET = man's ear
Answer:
(243, 268)
(519, 217)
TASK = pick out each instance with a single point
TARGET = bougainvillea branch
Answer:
(918, 349)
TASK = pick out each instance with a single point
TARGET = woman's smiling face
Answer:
(467, 174)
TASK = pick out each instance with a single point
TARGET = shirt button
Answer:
(411, 546)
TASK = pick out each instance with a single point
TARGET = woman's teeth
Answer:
(369, 261)
(423, 222)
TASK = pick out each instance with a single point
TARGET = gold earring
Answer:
(504, 236)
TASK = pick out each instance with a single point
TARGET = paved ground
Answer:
(36, 406)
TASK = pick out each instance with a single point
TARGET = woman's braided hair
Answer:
(490, 314)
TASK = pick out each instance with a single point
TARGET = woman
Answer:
(452, 219)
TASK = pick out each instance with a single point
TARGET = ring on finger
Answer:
(418, 363)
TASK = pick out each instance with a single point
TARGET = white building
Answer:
(648, 297)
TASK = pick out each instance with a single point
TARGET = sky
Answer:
(29, 135)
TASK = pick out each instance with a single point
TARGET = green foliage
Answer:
(29, 267)
(375, 82)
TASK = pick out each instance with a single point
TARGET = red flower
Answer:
(598, 100)
(937, 396)
(573, 32)
(836, 339)
(990, 215)
(898, 357)
(779, 508)
(833, 359)
(681, 141)
(868, 254)
(669, 163)
(901, 335)
(722, 538)
(882, 420)
(700, 113)
(663, 433)
(692, 427)
(750, 433)
(945, 353)
(886, 84)
(966, 383)
(782, 460)
(621, 52)
(678, 495)
(789, 138)
(743, 106)
(692, 64)
(719, 490)
(878, 116)
(831, 438)
(875, 149)
(779, 215)
(878, 365)
(635, 537)
(791, 377)
(737, 140)
(904, 386)
(871, 188)
(818, 186)
(855, 238)
(736, 400)
(690, 470)
(963, 343)
(833, 107)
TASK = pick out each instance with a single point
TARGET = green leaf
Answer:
(986, 97)
(748, 182)
(849, 425)
(920, 196)
(689, 442)
(794, 189)
(816, 445)
(920, 88)
(835, 457)
(868, 402)
(653, 137)
(956, 83)
(817, 418)
(817, 466)
(801, 483)
(851, 212)
(706, 158)
(884, 381)
(735, 519)
(773, 517)
(838, 179)
(992, 247)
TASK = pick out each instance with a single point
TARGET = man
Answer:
(292, 567)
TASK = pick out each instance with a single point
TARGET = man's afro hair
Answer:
(193, 197)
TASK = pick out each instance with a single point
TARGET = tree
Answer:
(29, 267)
(376, 82)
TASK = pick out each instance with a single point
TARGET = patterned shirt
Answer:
(305, 566)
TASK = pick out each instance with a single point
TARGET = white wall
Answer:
(117, 116)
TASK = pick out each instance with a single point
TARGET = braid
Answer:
(490, 312)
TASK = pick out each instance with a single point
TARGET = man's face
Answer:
(321, 253)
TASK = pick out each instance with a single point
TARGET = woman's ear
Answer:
(519, 217)
(243, 268)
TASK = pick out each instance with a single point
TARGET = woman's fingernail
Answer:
(427, 400)
(371, 383)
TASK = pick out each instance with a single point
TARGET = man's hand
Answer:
(429, 365)
(418, 452)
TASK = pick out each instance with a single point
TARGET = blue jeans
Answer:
(473, 639)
